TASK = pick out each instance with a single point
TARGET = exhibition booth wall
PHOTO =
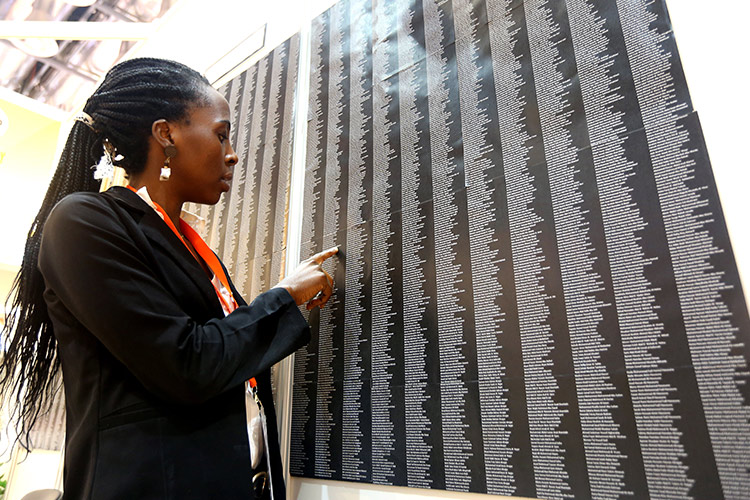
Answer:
(232, 36)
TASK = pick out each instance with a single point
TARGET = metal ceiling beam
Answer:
(68, 30)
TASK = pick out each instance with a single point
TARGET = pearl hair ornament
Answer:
(105, 169)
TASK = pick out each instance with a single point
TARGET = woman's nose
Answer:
(231, 158)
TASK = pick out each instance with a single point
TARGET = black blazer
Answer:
(153, 371)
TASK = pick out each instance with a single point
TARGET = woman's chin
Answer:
(212, 199)
(215, 199)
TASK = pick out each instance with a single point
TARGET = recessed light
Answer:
(37, 47)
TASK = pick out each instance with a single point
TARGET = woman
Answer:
(154, 341)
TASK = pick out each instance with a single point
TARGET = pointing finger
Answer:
(325, 254)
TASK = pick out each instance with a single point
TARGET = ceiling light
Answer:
(37, 47)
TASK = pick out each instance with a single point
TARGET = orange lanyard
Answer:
(211, 261)
(205, 253)
(208, 257)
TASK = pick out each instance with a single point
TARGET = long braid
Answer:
(30, 357)
(133, 95)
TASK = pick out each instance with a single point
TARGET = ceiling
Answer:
(63, 72)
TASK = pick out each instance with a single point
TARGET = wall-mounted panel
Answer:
(536, 294)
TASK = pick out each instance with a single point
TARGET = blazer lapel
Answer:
(157, 231)
(237, 296)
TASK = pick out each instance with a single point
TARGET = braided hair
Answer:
(133, 95)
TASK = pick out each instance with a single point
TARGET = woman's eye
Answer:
(222, 137)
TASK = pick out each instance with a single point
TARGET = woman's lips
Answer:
(226, 181)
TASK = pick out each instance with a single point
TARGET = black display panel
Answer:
(248, 227)
(536, 294)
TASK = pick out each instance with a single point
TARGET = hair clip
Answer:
(85, 118)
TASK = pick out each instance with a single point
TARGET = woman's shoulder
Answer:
(78, 207)
(89, 206)
(86, 213)
(84, 221)
(76, 201)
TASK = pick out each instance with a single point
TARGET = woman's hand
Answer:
(310, 282)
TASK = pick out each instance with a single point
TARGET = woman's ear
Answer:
(161, 130)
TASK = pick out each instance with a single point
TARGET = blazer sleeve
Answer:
(97, 271)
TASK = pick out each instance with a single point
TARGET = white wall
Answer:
(711, 41)
(199, 36)
(713, 47)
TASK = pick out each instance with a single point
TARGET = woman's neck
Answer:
(174, 214)
(161, 195)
